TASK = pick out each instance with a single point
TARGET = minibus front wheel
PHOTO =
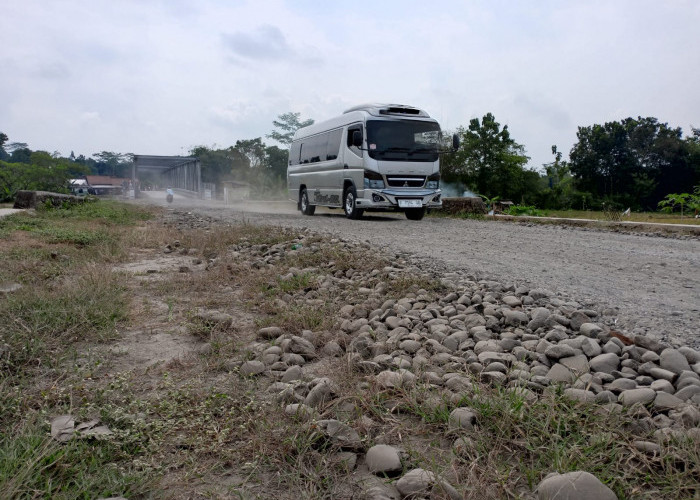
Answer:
(350, 203)
(304, 205)
(415, 213)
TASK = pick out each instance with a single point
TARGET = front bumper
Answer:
(388, 199)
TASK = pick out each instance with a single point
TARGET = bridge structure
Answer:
(182, 173)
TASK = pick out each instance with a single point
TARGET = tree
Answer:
(114, 164)
(3, 139)
(557, 191)
(20, 155)
(287, 124)
(634, 162)
(276, 161)
(253, 151)
(489, 161)
(220, 164)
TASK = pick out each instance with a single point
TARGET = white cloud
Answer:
(159, 77)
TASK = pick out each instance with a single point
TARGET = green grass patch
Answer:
(557, 434)
(654, 217)
(106, 211)
(41, 325)
(32, 465)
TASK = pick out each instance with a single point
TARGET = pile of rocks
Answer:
(480, 332)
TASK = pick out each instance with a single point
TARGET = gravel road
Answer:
(652, 282)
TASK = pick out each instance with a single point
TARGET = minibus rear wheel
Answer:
(304, 205)
(350, 203)
(415, 213)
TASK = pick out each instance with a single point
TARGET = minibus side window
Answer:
(352, 148)
(333, 144)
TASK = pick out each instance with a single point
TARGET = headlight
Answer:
(373, 180)
(433, 181)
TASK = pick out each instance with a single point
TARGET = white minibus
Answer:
(372, 157)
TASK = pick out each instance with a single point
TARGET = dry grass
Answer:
(191, 427)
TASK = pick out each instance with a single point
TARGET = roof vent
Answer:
(395, 110)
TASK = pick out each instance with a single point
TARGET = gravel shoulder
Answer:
(652, 283)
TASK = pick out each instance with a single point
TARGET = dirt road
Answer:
(653, 281)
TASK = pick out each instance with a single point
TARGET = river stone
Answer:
(578, 485)
(299, 410)
(459, 384)
(666, 401)
(621, 384)
(320, 393)
(673, 360)
(692, 355)
(590, 330)
(270, 333)
(662, 374)
(577, 319)
(396, 379)
(663, 385)
(332, 349)
(415, 482)
(649, 343)
(493, 378)
(488, 357)
(578, 363)
(381, 492)
(606, 363)
(515, 318)
(558, 351)
(511, 301)
(462, 418)
(647, 447)
(590, 347)
(301, 346)
(292, 373)
(580, 395)
(539, 317)
(340, 433)
(688, 416)
(606, 397)
(611, 346)
(688, 392)
(487, 346)
(383, 459)
(253, 367)
(560, 373)
(642, 395)
(293, 359)
(410, 346)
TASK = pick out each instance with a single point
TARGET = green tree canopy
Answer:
(489, 161)
(4, 155)
(633, 162)
(285, 126)
(114, 164)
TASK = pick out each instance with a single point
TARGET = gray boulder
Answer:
(673, 360)
(578, 485)
(383, 459)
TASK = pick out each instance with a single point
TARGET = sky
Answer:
(160, 77)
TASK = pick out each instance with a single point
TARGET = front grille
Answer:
(413, 181)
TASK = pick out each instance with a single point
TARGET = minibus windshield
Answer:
(403, 140)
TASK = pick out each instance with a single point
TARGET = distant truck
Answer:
(381, 157)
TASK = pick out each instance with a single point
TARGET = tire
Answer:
(415, 213)
(304, 205)
(169, 198)
(350, 204)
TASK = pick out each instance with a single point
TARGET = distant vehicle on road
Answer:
(372, 157)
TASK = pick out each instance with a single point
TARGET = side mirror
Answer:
(357, 138)
(455, 142)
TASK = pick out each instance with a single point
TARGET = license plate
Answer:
(410, 203)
